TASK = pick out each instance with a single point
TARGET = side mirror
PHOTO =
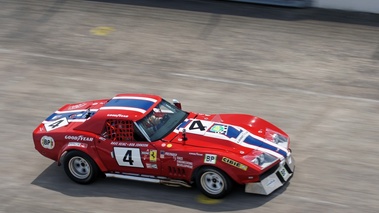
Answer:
(177, 103)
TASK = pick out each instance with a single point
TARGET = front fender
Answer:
(239, 174)
(83, 147)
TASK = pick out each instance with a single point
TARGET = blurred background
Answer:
(312, 72)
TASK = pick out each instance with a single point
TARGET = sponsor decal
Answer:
(219, 128)
(210, 159)
(78, 144)
(145, 152)
(171, 154)
(182, 163)
(116, 143)
(153, 155)
(78, 138)
(117, 115)
(47, 142)
(234, 163)
(163, 144)
(195, 154)
(169, 145)
(151, 166)
(77, 106)
(161, 154)
(271, 182)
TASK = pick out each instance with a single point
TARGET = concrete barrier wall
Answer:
(371, 6)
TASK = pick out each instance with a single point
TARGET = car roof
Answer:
(122, 106)
(132, 106)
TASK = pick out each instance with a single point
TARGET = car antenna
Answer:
(184, 135)
(88, 113)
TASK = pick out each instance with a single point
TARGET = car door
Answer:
(123, 149)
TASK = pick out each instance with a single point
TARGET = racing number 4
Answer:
(128, 157)
(197, 125)
(55, 124)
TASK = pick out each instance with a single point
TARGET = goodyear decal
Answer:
(234, 163)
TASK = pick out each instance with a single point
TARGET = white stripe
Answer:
(269, 151)
(312, 200)
(69, 120)
(77, 120)
(286, 89)
(244, 144)
(73, 111)
(136, 98)
(124, 108)
(270, 143)
(9, 51)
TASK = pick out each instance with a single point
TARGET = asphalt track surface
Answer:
(312, 72)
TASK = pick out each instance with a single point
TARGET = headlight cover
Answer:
(262, 160)
(277, 138)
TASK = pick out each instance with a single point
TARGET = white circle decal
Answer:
(47, 142)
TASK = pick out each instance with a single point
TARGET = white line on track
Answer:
(286, 89)
(7, 51)
(311, 200)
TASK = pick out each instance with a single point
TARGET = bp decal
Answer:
(47, 142)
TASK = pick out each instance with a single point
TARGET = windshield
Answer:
(161, 121)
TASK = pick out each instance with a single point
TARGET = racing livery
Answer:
(145, 138)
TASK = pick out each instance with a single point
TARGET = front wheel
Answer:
(80, 167)
(213, 182)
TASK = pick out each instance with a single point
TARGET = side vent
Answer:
(177, 171)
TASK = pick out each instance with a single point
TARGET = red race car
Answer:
(145, 138)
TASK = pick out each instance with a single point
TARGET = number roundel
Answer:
(56, 124)
(130, 157)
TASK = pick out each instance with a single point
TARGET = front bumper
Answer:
(274, 180)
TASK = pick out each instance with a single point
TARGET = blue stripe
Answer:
(253, 141)
(69, 115)
(183, 124)
(233, 132)
(135, 103)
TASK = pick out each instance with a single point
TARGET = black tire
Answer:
(213, 182)
(80, 167)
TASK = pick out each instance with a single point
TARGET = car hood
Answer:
(237, 132)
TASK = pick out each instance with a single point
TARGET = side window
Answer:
(118, 130)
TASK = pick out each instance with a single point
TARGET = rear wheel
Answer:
(213, 182)
(80, 167)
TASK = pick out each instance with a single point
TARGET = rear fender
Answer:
(83, 147)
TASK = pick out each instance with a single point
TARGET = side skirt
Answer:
(150, 179)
